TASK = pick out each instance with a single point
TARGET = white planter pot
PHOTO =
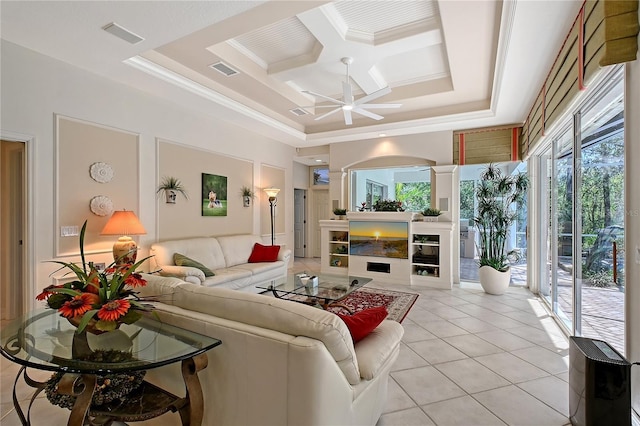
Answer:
(430, 218)
(493, 281)
(170, 196)
(246, 201)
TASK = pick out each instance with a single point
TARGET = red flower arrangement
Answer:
(105, 297)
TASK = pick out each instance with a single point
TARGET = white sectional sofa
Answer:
(226, 256)
(280, 362)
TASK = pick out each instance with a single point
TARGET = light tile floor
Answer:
(602, 308)
(467, 358)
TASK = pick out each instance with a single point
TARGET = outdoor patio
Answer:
(602, 308)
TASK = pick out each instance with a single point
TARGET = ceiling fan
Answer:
(350, 105)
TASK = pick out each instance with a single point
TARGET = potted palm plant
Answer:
(496, 194)
(171, 187)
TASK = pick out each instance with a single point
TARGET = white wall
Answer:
(435, 146)
(301, 176)
(35, 87)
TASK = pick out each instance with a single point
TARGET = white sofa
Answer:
(226, 256)
(280, 362)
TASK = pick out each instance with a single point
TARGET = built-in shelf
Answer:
(425, 257)
(430, 257)
(334, 241)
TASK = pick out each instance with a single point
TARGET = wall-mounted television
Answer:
(379, 238)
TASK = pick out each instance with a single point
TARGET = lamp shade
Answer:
(272, 192)
(123, 222)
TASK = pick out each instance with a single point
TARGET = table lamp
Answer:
(272, 193)
(124, 223)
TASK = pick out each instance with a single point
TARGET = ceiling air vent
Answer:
(299, 111)
(122, 33)
(223, 68)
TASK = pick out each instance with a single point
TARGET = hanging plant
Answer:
(247, 195)
(171, 187)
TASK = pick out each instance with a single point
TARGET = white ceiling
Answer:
(452, 64)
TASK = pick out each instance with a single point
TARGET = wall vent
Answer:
(299, 111)
(225, 69)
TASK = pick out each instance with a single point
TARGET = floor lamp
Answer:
(272, 193)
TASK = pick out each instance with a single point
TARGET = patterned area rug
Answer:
(397, 303)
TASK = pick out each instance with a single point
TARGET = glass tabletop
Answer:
(45, 340)
(331, 288)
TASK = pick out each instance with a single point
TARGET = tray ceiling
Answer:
(451, 64)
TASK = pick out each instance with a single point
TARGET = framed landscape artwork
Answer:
(214, 195)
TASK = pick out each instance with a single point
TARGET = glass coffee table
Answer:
(44, 340)
(329, 291)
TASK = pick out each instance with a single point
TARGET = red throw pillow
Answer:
(262, 253)
(364, 322)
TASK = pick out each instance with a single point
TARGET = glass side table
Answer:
(44, 340)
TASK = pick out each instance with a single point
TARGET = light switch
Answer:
(69, 231)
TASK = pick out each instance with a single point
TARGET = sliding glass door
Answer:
(582, 218)
(557, 206)
(602, 219)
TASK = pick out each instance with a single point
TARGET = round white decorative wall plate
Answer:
(101, 205)
(101, 172)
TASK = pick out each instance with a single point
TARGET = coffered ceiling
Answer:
(452, 64)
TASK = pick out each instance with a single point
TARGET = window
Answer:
(411, 185)
(375, 191)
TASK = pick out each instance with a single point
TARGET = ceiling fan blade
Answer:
(326, 98)
(367, 113)
(347, 117)
(374, 106)
(372, 96)
(347, 94)
(328, 114)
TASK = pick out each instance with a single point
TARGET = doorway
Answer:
(299, 222)
(319, 211)
(13, 282)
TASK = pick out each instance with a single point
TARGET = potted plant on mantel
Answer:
(496, 193)
(430, 214)
(388, 206)
(341, 213)
(171, 187)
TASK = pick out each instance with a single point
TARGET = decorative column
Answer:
(337, 190)
(447, 199)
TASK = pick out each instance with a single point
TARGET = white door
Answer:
(321, 211)
(299, 213)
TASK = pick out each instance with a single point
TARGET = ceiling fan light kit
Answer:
(350, 105)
